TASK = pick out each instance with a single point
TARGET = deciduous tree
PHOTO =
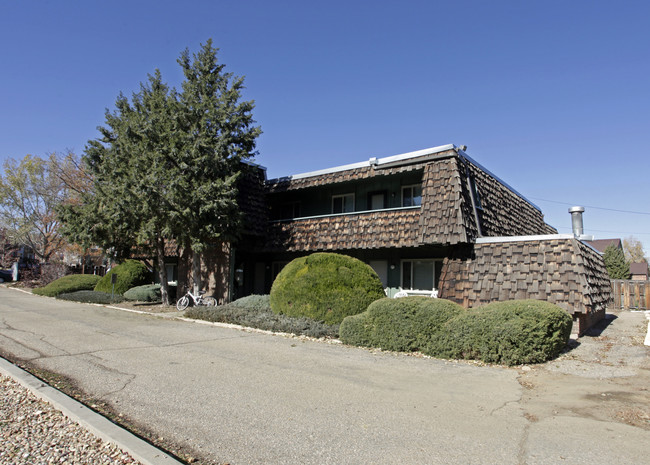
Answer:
(633, 249)
(29, 195)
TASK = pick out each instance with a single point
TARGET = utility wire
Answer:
(590, 206)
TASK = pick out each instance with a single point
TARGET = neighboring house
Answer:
(602, 244)
(639, 271)
(425, 220)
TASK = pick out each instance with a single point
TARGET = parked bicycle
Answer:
(195, 299)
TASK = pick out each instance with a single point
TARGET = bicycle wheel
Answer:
(210, 301)
(182, 303)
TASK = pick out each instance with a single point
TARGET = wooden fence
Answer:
(631, 295)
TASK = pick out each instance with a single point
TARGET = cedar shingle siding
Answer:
(395, 228)
(445, 218)
(565, 272)
(461, 202)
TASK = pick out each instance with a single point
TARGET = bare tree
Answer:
(29, 195)
(634, 252)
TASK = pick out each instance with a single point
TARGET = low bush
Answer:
(325, 287)
(511, 333)
(406, 324)
(254, 302)
(145, 293)
(91, 297)
(70, 283)
(130, 274)
(255, 312)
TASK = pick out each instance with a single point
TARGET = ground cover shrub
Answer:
(254, 302)
(144, 293)
(91, 297)
(511, 333)
(325, 287)
(406, 324)
(131, 273)
(254, 312)
(70, 283)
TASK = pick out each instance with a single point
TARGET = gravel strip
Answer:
(32, 432)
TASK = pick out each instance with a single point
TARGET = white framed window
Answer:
(412, 195)
(420, 274)
(343, 203)
(172, 273)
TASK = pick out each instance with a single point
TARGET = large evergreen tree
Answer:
(615, 263)
(166, 165)
(218, 135)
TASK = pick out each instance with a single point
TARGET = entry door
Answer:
(381, 268)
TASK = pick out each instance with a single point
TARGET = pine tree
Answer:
(167, 164)
(218, 135)
(617, 267)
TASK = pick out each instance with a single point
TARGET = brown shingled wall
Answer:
(562, 271)
(349, 175)
(378, 229)
(503, 212)
(444, 209)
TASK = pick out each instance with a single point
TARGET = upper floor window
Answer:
(343, 203)
(290, 210)
(412, 195)
(377, 200)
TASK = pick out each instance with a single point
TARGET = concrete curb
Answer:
(92, 421)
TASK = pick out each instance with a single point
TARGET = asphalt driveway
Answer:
(227, 395)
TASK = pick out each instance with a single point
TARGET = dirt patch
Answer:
(604, 375)
(150, 307)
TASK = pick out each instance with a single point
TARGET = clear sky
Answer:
(553, 97)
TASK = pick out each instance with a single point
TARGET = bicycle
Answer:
(195, 299)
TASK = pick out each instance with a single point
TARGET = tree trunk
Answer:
(196, 271)
(162, 270)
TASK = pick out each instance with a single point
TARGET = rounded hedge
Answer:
(70, 283)
(131, 273)
(325, 287)
(406, 324)
(512, 333)
(145, 293)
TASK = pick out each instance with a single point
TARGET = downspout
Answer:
(471, 196)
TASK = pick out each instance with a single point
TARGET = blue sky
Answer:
(553, 97)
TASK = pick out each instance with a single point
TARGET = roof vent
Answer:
(577, 224)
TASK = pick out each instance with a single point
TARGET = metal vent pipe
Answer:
(576, 221)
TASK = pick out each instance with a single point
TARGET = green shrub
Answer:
(70, 283)
(131, 273)
(254, 302)
(406, 324)
(91, 297)
(145, 293)
(511, 333)
(255, 315)
(325, 287)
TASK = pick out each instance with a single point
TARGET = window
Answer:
(276, 268)
(412, 195)
(290, 210)
(172, 273)
(343, 203)
(377, 200)
(420, 274)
